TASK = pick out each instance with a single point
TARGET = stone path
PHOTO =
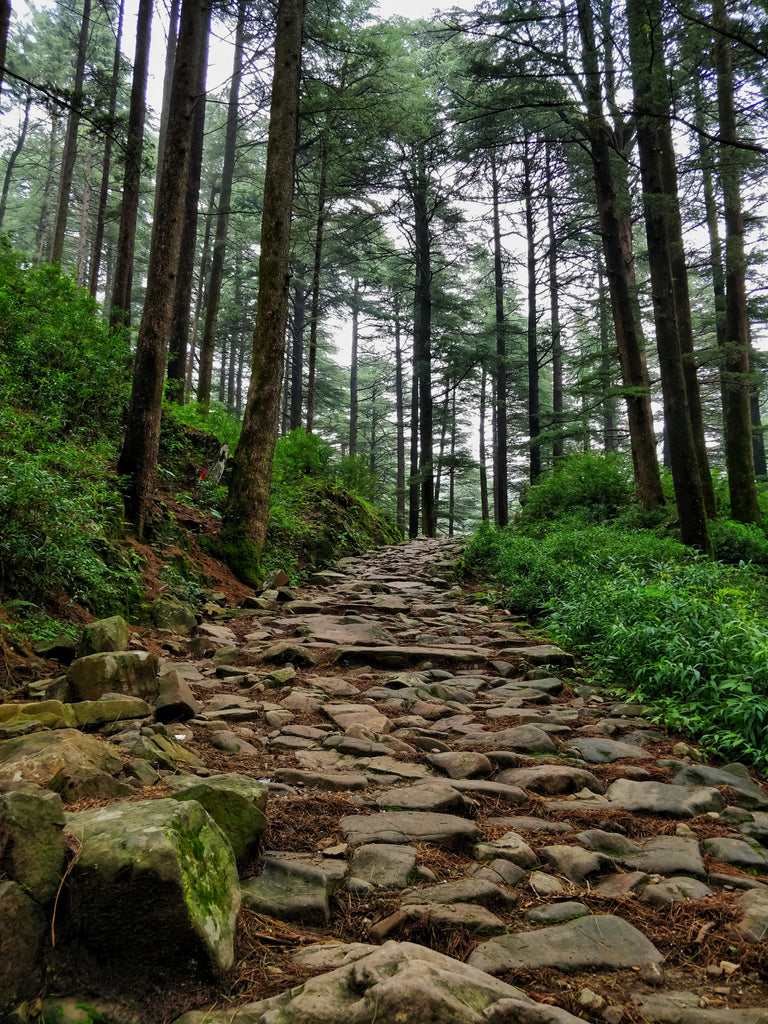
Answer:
(436, 778)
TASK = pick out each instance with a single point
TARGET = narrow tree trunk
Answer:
(654, 141)
(42, 238)
(758, 437)
(222, 222)
(244, 529)
(500, 477)
(422, 344)
(170, 57)
(534, 421)
(120, 310)
(554, 313)
(178, 341)
(484, 510)
(400, 423)
(739, 458)
(353, 393)
(413, 480)
(607, 360)
(452, 470)
(314, 316)
(297, 348)
(14, 156)
(81, 254)
(138, 459)
(202, 275)
(616, 232)
(70, 140)
(106, 160)
(5, 24)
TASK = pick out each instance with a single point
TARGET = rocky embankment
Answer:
(372, 800)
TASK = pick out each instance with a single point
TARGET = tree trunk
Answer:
(178, 341)
(413, 479)
(607, 359)
(500, 477)
(170, 57)
(314, 316)
(297, 348)
(616, 233)
(120, 309)
(534, 421)
(660, 205)
(758, 438)
(554, 313)
(202, 275)
(138, 459)
(400, 423)
(106, 161)
(70, 139)
(222, 222)
(14, 156)
(739, 458)
(42, 238)
(5, 24)
(81, 255)
(422, 342)
(353, 393)
(452, 466)
(244, 529)
(484, 511)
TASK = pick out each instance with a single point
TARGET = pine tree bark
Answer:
(138, 459)
(413, 479)
(739, 457)
(354, 400)
(297, 347)
(244, 529)
(558, 448)
(5, 24)
(484, 510)
(70, 140)
(534, 418)
(661, 212)
(616, 232)
(122, 285)
(208, 341)
(422, 342)
(170, 58)
(400, 422)
(500, 474)
(178, 341)
(106, 161)
(42, 238)
(317, 266)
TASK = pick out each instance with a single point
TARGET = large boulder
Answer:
(235, 802)
(129, 672)
(32, 845)
(110, 634)
(389, 984)
(22, 932)
(41, 756)
(168, 612)
(154, 889)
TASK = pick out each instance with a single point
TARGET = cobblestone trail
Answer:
(440, 777)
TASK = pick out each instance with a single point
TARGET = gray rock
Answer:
(128, 672)
(32, 844)
(87, 783)
(552, 779)
(291, 890)
(462, 764)
(341, 781)
(384, 865)
(749, 794)
(39, 757)
(156, 867)
(611, 843)
(605, 751)
(235, 802)
(753, 926)
(660, 798)
(288, 651)
(175, 700)
(737, 852)
(22, 931)
(499, 871)
(527, 739)
(539, 654)
(545, 885)
(675, 890)
(502, 792)
(574, 863)
(476, 890)
(684, 1008)
(451, 917)
(509, 847)
(434, 795)
(667, 855)
(110, 634)
(402, 827)
(555, 913)
(168, 612)
(588, 943)
(385, 985)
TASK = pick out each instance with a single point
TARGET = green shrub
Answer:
(218, 420)
(299, 455)
(739, 542)
(590, 486)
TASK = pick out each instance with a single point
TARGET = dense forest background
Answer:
(518, 231)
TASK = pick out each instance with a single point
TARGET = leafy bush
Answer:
(651, 617)
(299, 455)
(218, 421)
(594, 487)
(58, 360)
(739, 542)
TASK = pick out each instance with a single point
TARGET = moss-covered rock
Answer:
(130, 672)
(235, 802)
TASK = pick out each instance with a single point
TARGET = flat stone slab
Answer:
(748, 793)
(667, 855)
(574, 863)
(329, 781)
(403, 827)
(552, 779)
(737, 852)
(660, 798)
(589, 943)
(384, 865)
(406, 657)
(753, 926)
(365, 715)
(527, 739)
(675, 890)
(683, 1008)
(475, 890)
(437, 796)
(555, 913)
(461, 764)
(597, 750)
(538, 654)
(290, 891)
